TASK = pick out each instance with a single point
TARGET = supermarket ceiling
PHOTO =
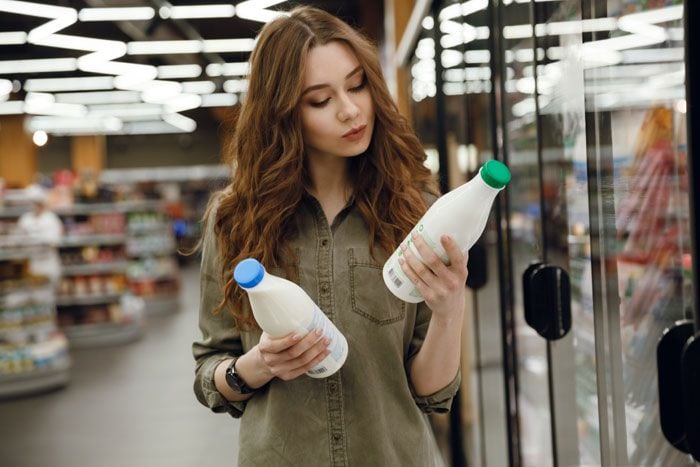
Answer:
(131, 66)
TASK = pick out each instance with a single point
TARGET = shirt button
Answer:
(324, 242)
(337, 436)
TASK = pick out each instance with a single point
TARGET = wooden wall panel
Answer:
(18, 161)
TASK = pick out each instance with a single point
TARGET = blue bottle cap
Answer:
(248, 273)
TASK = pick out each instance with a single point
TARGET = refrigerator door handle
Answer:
(690, 363)
(547, 300)
(477, 264)
(669, 362)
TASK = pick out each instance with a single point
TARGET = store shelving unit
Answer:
(33, 351)
(93, 304)
(153, 272)
(193, 187)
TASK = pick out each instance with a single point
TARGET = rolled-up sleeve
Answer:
(440, 401)
(221, 338)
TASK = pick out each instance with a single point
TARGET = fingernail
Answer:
(414, 235)
(403, 247)
(401, 261)
(326, 341)
(319, 331)
(296, 337)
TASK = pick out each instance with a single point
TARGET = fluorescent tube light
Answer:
(13, 38)
(180, 121)
(236, 85)
(255, 10)
(160, 91)
(198, 87)
(451, 58)
(182, 103)
(116, 14)
(60, 110)
(164, 47)
(219, 100)
(197, 11)
(5, 87)
(56, 125)
(125, 111)
(91, 98)
(228, 69)
(12, 108)
(41, 34)
(69, 84)
(474, 6)
(33, 9)
(134, 81)
(114, 48)
(228, 45)
(179, 71)
(675, 54)
(451, 12)
(149, 128)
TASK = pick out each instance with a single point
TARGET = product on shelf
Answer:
(30, 343)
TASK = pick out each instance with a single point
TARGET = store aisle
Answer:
(127, 405)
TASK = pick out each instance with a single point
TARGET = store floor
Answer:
(127, 405)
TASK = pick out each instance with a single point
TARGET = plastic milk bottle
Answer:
(462, 213)
(281, 307)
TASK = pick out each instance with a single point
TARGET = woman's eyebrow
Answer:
(325, 85)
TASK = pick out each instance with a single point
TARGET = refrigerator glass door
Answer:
(635, 98)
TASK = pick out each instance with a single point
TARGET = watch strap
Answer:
(234, 380)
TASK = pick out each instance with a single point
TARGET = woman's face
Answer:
(336, 100)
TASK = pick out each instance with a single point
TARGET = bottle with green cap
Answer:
(462, 213)
(281, 307)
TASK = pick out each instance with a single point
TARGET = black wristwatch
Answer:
(235, 381)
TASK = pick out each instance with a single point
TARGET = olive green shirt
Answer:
(367, 413)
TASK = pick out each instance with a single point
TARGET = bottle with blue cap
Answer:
(462, 213)
(281, 307)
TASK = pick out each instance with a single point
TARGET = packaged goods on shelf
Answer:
(33, 351)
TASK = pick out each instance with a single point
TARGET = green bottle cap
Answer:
(495, 174)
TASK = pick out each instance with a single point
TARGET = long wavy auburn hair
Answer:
(254, 213)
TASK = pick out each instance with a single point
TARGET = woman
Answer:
(328, 179)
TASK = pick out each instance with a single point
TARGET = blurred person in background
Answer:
(42, 225)
(328, 179)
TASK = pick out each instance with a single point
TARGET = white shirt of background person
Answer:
(45, 226)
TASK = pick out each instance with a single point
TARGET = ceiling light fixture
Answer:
(256, 10)
(164, 47)
(198, 87)
(197, 11)
(105, 97)
(219, 100)
(13, 38)
(228, 69)
(116, 14)
(179, 71)
(185, 124)
(69, 84)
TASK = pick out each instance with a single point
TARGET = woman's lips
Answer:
(354, 135)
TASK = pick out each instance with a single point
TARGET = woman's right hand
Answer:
(291, 356)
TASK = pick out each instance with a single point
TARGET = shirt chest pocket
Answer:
(369, 297)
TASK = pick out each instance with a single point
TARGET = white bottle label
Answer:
(396, 274)
(338, 345)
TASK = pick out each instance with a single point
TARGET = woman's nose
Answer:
(349, 110)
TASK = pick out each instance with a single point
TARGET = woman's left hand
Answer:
(442, 286)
